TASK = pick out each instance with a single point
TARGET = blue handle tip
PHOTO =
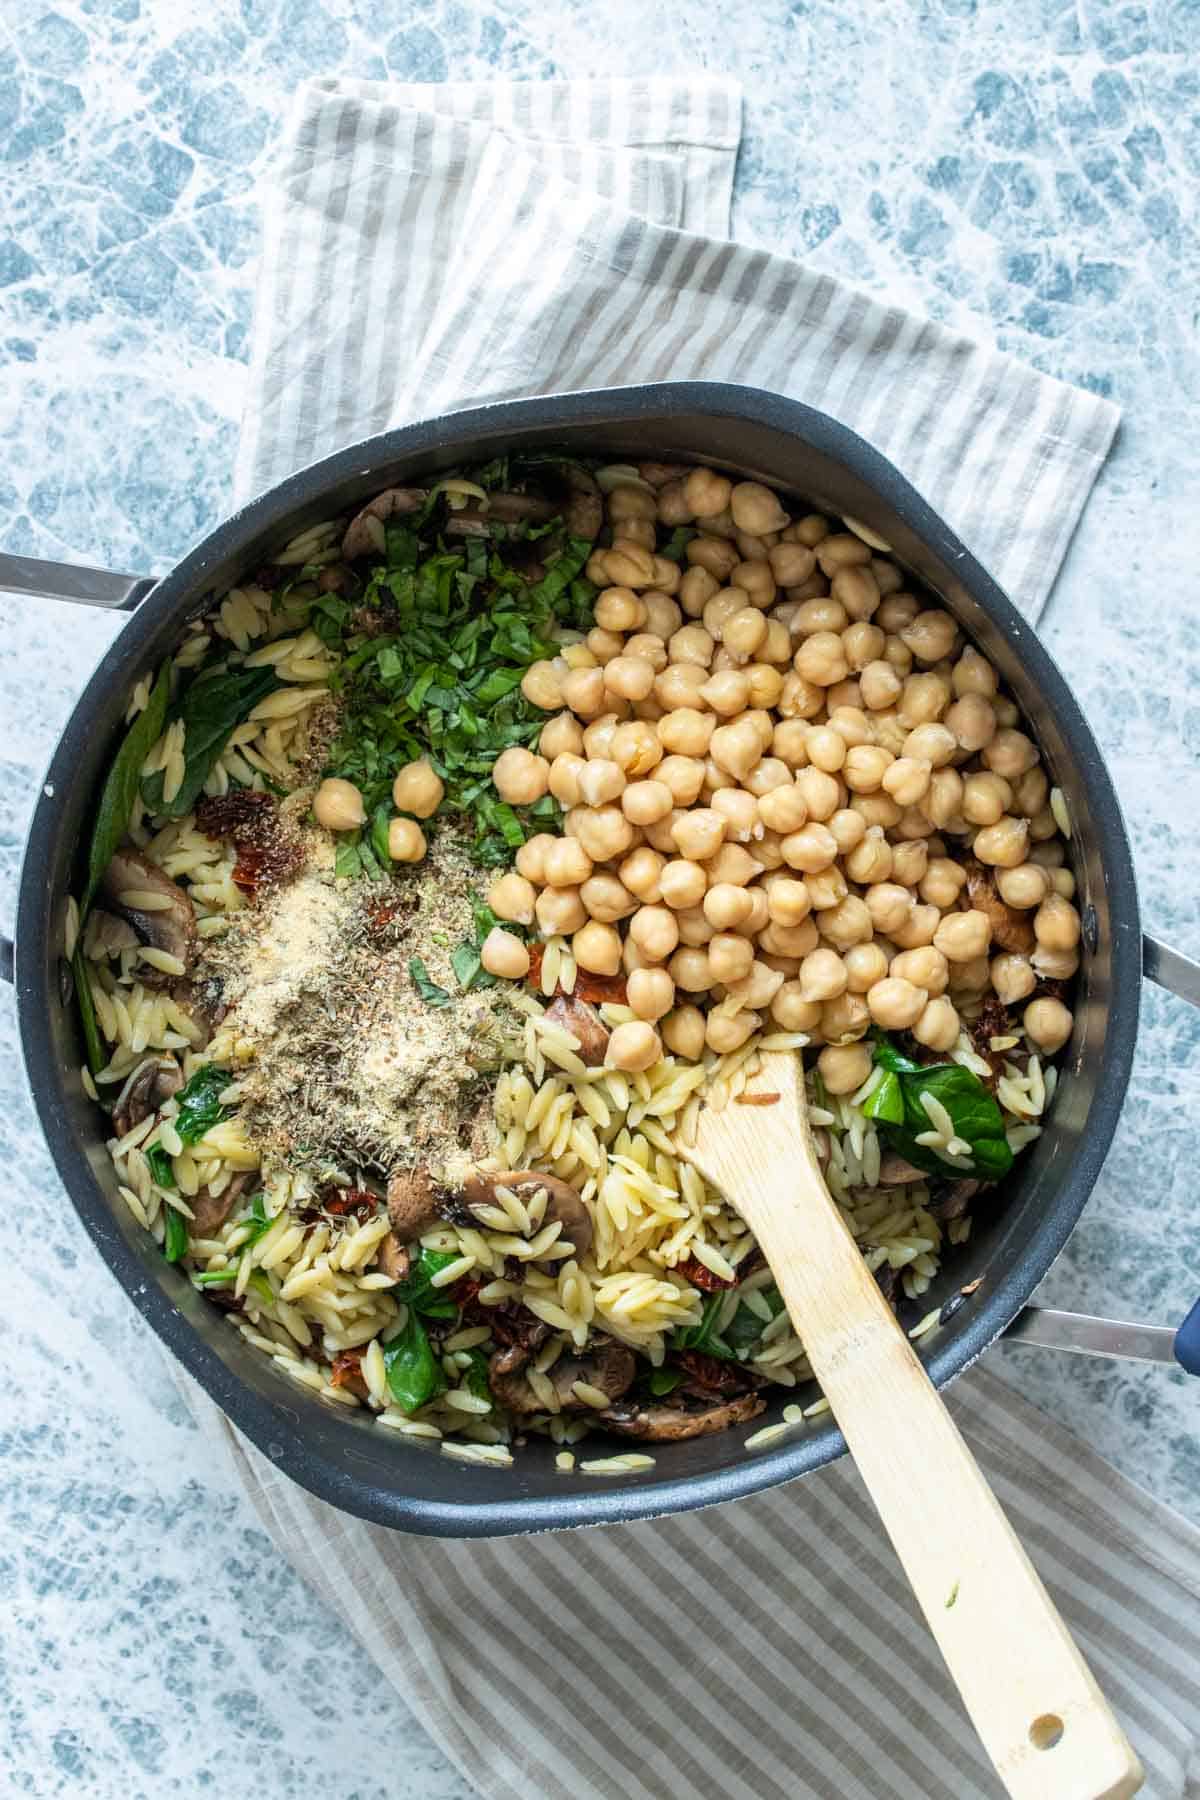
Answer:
(1187, 1342)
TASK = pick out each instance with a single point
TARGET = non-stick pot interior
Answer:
(1016, 1234)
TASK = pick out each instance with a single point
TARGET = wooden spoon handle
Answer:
(1031, 1696)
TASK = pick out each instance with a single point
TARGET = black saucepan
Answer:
(408, 1484)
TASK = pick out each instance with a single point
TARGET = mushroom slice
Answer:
(170, 923)
(609, 1367)
(365, 534)
(1011, 929)
(584, 1023)
(895, 1172)
(657, 474)
(670, 1424)
(152, 1082)
(478, 1188)
(955, 1201)
(394, 1259)
(585, 509)
(412, 1204)
(210, 1211)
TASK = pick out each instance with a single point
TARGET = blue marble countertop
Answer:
(1026, 169)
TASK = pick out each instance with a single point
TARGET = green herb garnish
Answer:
(175, 1240)
(120, 789)
(160, 1167)
(97, 1055)
(704, 1336)
(207, 1278)
(417, 1289)
(199, 1106)
(214, 702)
(414, 1374)
(475, 1378)
(664, 1381)
(430, 992)
(895, 1105)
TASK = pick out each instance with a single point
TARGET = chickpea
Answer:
(889, 906)
(791, 563)
(1031, 792)
(826, 888)
(857, 591)
(810, 849)
(783, 808)
(633, 1047)
(923, 699)
(826, 748)
(686, 732)
(895, 1004)
(1055, 965)
(664, 615)
(706, 493)
(974, 674)
(600, 781)
(635, 533)
(629, 565)
(641, 873)
(629, 677)
(726, 906)
(619, 609)
(931, 744)
(511, 897)
(720, 609)
(788, 940)
(709, 553)
(753, 575)
(938, 1026)
(504, 955)
(541, 685)
(766, 683)
(406, 841)
(1043, 826)
(942, 882)
(1010, 754)
(846, 923)
(843, 1068)
(926, 968)
(338, 805)
(644, 802)
(694, 928)
(565, 771)
(678, 685)
(583, 691)
(907, 780)
(636, 747)
(962, 936)
(788, 900)
(865, 965)
(822, 613)
(809, 530)
(887, 575)
(841, 550)
(560, 911)
(909, 862)
(727, 692)
(739, 811)
(848, 828)
(755, 508)
(870, 861)
(973, 722)
(1004, 844)
(682, 776)
(626, 501)
(800, 699)
(604, 645)
(692, 644)
(651, 993)
(759, 917)
(1056, 924)
(689, 970)
(597, 739)
(845, 1019)
(758, 988)
(1025, 886)
(768, 775)
(666, 578)
(823, 975)
(697, 588)
(733, 865)
(682, 883)
(729, 957)
(724, 1032)
(898, 612)
(561, 736)
(880, 684)
(566, 864)
(655, 931)
(1062, 882)
(791, 1011)
(744, 633)
(577, 656)
(931, 636)
(736, 748)
(606, 898)
(1047, 1024)
(698, 833)
(1013, 978)
(984, 799)
(418, 790)
(877, 809)
(862, 644)
(659, 835)
(597, 948)
(822, 794)
(821, 659)
(683, 1032)
(866, 766)
(603, 831)
(531, 857)
(787, 742)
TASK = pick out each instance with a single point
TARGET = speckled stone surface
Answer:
(1023, 168)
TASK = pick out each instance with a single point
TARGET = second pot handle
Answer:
(74, 582)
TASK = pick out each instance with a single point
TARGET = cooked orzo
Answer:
(462, 853)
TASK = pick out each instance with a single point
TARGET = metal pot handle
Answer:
(1039, 1325)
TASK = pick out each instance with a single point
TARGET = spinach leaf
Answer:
(199, 1107)
(120, 789)
(746, 1327)
(346, 861)
(97, 1055)
(896, 1107)
(475, 1378)
(380, 819)
(414, 1374)
(417, 1289)
(175, 1242)
(704, 1335)
(430, 992)
(675, 546)
(213, 703)
(664, 1381)
(160, 1169)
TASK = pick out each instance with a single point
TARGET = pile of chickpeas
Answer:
(765, 757)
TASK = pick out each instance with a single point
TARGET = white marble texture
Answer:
(1024, 168)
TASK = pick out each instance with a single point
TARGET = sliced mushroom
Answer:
(412, 1203)
(364, 534)
(894, 1171)
(609, 1367)
(152, 1083)
(955, 1201)
(393, 1259)
(657, 474)
(670, 1424)
(585, 1024)
(478, 1188)
(1011, 929)
(210, 1211)
(170, 926)
(584, 512)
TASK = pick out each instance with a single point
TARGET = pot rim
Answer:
(276, 1431)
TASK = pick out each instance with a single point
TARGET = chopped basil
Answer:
(895, 1105)
(430, 992)
(199, 1107)
(704, 1335)
(414, 1374)
(417, 1289)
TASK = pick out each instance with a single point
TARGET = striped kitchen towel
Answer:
(426, 248)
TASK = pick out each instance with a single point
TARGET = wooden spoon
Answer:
(1030, 1695)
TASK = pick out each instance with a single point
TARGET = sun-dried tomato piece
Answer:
(343, 1202)
(709, 1375)
(347, 1373)
(598, 990)
(702, 1277)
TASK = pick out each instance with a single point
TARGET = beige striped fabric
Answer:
(427, 248)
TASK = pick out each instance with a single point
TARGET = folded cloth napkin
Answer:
(430, 247)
